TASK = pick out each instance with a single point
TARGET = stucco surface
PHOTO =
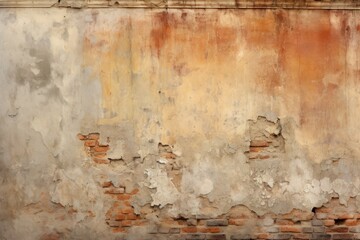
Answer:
(201, 84)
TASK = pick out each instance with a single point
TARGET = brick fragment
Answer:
(318, 229)
(194, 236)
(301, 236)
(272, 229)
(115, 190)
(189, 229)
(350, 222)
(259, 143)
(289, 228)
(321, 236)
(101, 161)
(217, 222)
(191, 222)
(346, 236)
(321, 215)
(113, 223)
(338, 229)
(90, 143)
(126, 223)
(209, 229)
(281, 237)
(241, 237)
(307, 229)
(215, 237)
(316, 222)
(284, 222)
(101, 148)
(93, 136)
(329, 222)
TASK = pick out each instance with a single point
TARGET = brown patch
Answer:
(161, 31)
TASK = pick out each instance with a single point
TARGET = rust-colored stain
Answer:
(206, 64)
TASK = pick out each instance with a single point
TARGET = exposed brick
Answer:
(101, 161)
(345, 216)
(93, 136)
(113, 223)
(131, 216)
(101, 148)
(338, 229)
(106, 184)
(318, 229)
(268, 221)
(321, 215)
(259, 143)
(263, 236)
(189, 230)
(126, 223)
(114, 190)
(355, 229)
(194, 236)
(119, 216)
(215, 237)
(307, 229)
(272, 229)
(90, 143)
(289, 228)
(281, 237)
(302, 236)
(316, 222)
(320, 236)
(127, 210)
(209, 230)
(284, 222)
(346, 236)
(350, 222)
(123, 197)
(241, 237)
(217, 222)
(191, 222)
(329, 222)
(174, 230)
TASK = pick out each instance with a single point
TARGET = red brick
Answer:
(329, 222)
(118, 230)
(90, 143)
(288, 228)
(259, 143)
(301, 236)
(127, 210)
(338, 229)
(101, 148)
(81, 137)
(131, 216)
(189, 230)
(350, 222)
(119, 216)
(284, 222)
(209, 230)
(93, 136)
(263, 236)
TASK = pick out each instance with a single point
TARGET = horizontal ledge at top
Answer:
(187, 4)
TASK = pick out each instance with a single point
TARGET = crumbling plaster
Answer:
(192, 80)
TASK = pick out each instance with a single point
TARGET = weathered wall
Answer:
(193, 115)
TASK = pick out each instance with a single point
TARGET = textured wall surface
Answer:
(179, 124)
